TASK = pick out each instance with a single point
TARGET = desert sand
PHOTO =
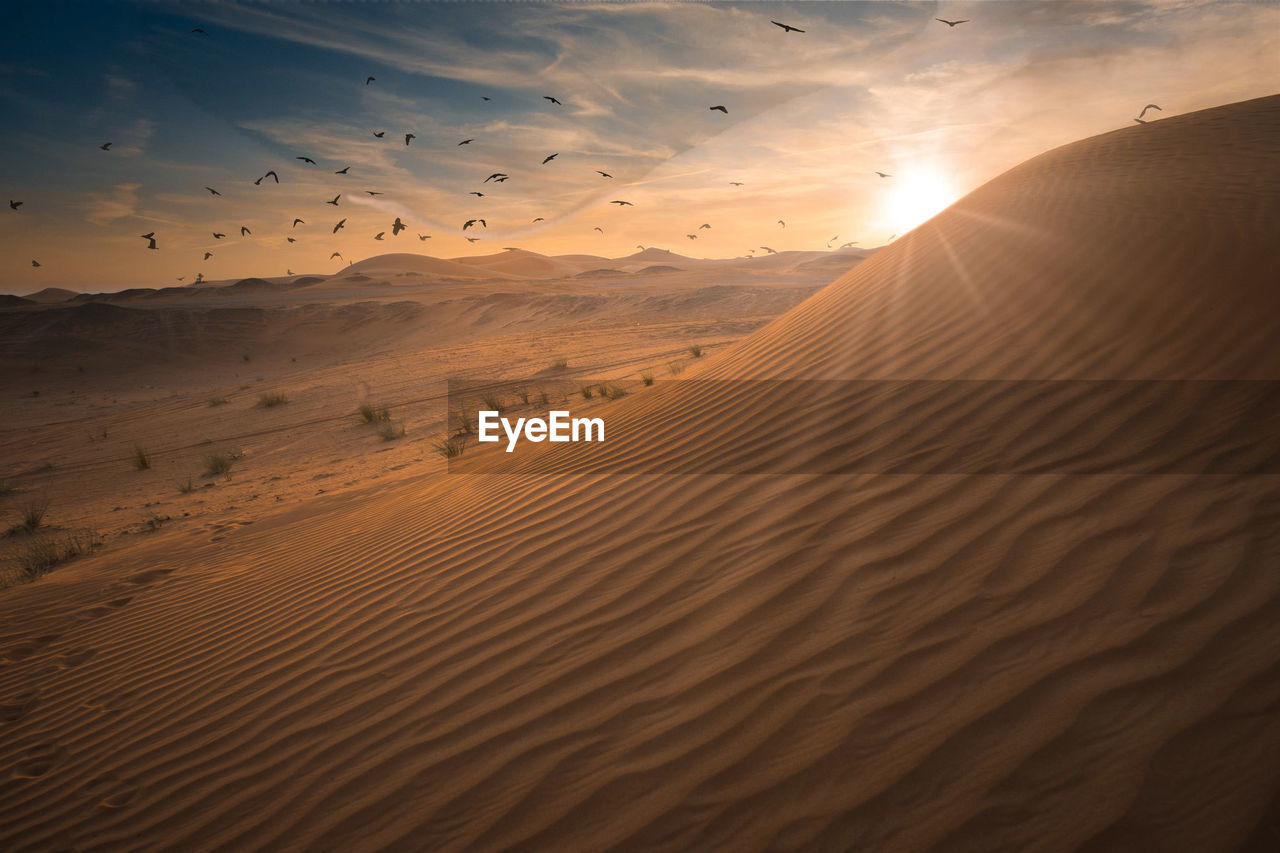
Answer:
(345, 646)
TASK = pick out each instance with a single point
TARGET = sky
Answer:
(811, 118)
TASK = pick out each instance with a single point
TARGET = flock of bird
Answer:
(497, 177)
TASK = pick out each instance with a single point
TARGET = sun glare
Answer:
(917, 197)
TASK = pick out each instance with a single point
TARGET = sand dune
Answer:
(875, 661)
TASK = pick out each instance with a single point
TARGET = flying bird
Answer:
(692, 236)
(306, 160)
(372, 192)
(288, 272)
(495, 175)
(244, 231)
(342, 171)
(35, 263)
(369, 80)
(424, 237)
(848, 245)
(481, 195)
(783, 224)
(212, 191)
(106, 146)
(270, 174)
(1140, 115)
(409, 137)
(379, 133)
(397, 227)
(786, 28)
(341, 222)
(298, 222)
(208, 255)
(598, 228)
(500, 180)
(483, 98)
(471, 222)
(471, 239)
(335, 255)
(552, 100)
(952, 24)
(378, 236)
(14, 205)
(621, 203)
(721, 108)
(539, 219)
(218, 236)
(884, 175)
(335, 200)
(199, 31)
(735, 183)
(148, 235)
(550, 157)
(291, 240)
(770, 251)
(603, 174)
(703, 225)
(467, 141)
(832, 240)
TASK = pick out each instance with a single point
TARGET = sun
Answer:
(917, 196)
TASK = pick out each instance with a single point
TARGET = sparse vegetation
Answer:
(675, 368)
(695, 351)
(449, 447)
(492, 402)
(186, 487)
(268, 399)
(374, 414)
(646, 378)
(391, 431)
(560, 364)
(543, 399)
(219, 464)
(523, 394)
(141, 459)
(611, 391)
(32, 513)
(37, 557)
(462, 424)
(218, 400)
(587, 392)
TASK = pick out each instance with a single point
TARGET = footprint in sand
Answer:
(37, 761)
(100, 610)
(150, 576)
(18, 706)
(27, 648)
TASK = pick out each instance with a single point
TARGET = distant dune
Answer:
(925, 660)
(51, 294)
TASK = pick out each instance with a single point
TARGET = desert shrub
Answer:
(587, 392)
(141, 459)
(675, 368)
(218, 464)
(560, 364)
(37, 557)
(218, 400)
(449, 447)
(492, 402)
(267, 399)
(391, 431)
(186, 487)
(695, 351)
(612, 391)
(374, 414)
(646, 378)
(32, 513)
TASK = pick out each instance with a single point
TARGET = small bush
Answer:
(646, 378)
(587, 392)
(141, 459)
(560, 364)
(186, 487)
(543, 399)
(217, 464)
(390, 431)
(612, 391)
(695, 351)
(492, 402)
(374, 414)
(462, 424)
(523, 394)
(218, 401)
(268, 399)
(449, 447)
(675, 368)
(36, 558)
(32, 513)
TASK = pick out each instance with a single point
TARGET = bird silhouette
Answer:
(291, 240)
(481, 195)
(14, 205)
(306, 160)
(35, 263)
(212, 191)
(471, 222)
(1144, 110)
(208, 255)
(783, 224)
(952, 24)
(467, 141)
(148, 235)
(341, 222)
(106, 146)
(335, 255)
(622, 203)
(369, 80)
(495, 175)
(270, 174)
(372, 192)
(770, 251)
(891, 236)
(218, 236)
(848, 245)
(471, 239)
(598, 228)
(500, 180)
(151, 244)
(603, 174)
(199, 32)
(692, 236)
(483, 98)
(787, 28)
(409, 137)
(638, 246)
(735, 183)
(539, 219)
(378, 236)
(721, 108)
(342, 171)
(424, 237)
(288, 272)
(550, 157)
(298, 222)
(884, 175)
(552, 100)
(832, 240)
(335, 200)
(244, 231)
(379, 133)
(703, 225)
(397, 227)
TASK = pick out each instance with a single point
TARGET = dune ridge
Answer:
(889, 662)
